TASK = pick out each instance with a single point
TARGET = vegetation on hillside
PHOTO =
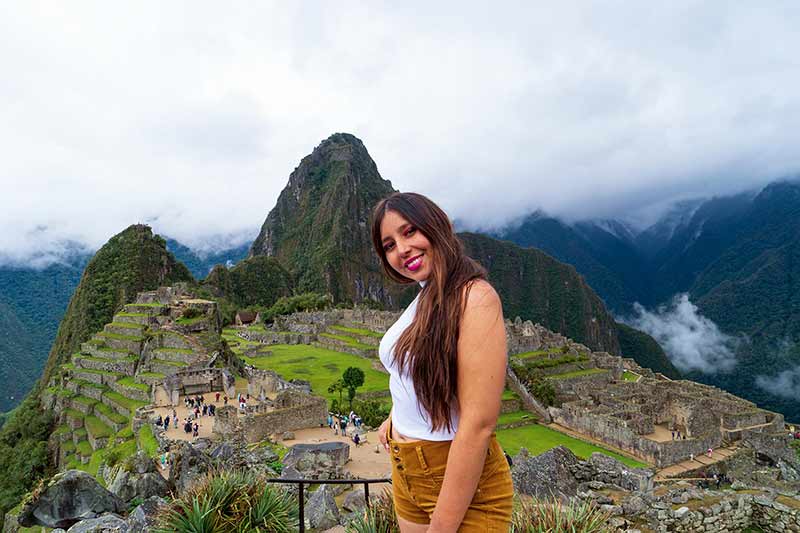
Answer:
(133, 261)
(23, 452)
(254, 282)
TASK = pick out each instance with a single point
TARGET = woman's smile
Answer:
(407, 249)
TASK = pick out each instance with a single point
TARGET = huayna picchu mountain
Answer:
(319, 230)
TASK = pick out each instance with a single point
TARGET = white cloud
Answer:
(785, 384)
(691, 341)
(194, 114)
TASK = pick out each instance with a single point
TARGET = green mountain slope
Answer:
(130, 262)
(319, 227)
(256, 281)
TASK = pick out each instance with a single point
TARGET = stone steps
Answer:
(124, 328)
(127, 367)
(104, 352)
(166, 367)
(82, 404)
(176, 355)
(143, 319)
(110, 417)
(99, 377)
(130, 391)
(125, 343)
(149, 378)
(171, 339)
(98, 432)
(147, 309)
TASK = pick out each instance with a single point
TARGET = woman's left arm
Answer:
(482, 360)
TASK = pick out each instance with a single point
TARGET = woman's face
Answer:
(407, 250)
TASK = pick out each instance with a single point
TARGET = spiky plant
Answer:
(378, 518)
(555, 517)
(231, 501)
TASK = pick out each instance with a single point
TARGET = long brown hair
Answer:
(429, 346)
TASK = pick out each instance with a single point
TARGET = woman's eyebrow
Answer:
(400, 229)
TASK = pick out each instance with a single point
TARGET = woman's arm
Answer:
(482, 360)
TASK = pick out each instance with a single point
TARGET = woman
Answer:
(446, 356)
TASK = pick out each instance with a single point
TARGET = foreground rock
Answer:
(549, 475)
(189, 464)
(105, 524)
(321, 510)
(138, 478)
(68, 498)
(317, 461)
(143, 518)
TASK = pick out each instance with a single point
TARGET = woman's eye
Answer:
(410, 231)
(388, 246)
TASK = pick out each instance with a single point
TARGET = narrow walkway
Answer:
(700, 461)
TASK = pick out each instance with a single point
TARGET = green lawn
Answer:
(129, 382)
(319, 366)
(538, 439)
(533, 354)
(509, 395)
(147, 441)
(630, 376)
(110, 413)
(128, 403)
(516, 416)
(350, 341)
(97, 427)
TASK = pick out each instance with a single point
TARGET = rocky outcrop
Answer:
(138, 478)
(68, 498)
(188, 466)
(321, 510)
(236, 455)
(107, 523)
(143, 518)
(317, 461)
(549, 475)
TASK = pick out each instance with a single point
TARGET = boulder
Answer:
(188, 466)
(325, 460)
(321, 511)
(237, 455)
(68, 498)
(354, 501)
(138, 478)
(548, 475)
(108, 523)
(287, 435)
(143, 518)
(609, 470)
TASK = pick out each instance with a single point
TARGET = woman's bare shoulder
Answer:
(480, 294)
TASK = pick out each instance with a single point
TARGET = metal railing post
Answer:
(366, 494)
(302, 509)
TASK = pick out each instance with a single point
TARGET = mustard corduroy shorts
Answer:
(417, 474)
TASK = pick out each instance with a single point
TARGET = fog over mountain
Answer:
(189, 117)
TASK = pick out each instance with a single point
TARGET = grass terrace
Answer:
(117, 336)
(147, 441)
(154, 375)
(190, 321)
(578, 373)
(96, 427)
(127, 403)
(179, 364)
(133, 315)
(319, 366)
(350, 341)
(126, 325)
(509, 395)
(516, 416)
(129, 382)
(630, 376)
(535, 353)
(538, 439)
(358, 331)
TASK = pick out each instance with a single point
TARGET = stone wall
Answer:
(302, 411)
(531, 404)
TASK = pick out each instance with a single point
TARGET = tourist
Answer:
(213, 409)
(174, 414)
(160, 421)
(166, 423)
(196, 413)
(447, 355)
(226, 400)
(187, 426)
(691, 457)
(205, 409)
(710, 451)
(343, 426)
(217, 397)
(175, 420)
(202, 399)
(673, 435)
(330, 420)
(356, 439)
(195, 430)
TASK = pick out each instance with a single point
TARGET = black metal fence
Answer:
(303, 482)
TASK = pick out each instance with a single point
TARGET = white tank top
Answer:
(408, 416)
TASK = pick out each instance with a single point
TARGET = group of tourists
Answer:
(339, 423)
(676, 435)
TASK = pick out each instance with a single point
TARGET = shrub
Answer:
(191, 312)
(372, 412)
(554, 517)
(379, 518)
(231, 500)
(287, 305)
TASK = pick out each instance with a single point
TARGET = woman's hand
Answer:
(382, 433)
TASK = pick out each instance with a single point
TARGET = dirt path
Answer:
(677, 469)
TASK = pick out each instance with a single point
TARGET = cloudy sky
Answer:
(190, 116)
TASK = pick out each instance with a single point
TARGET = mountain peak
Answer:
(319, 227)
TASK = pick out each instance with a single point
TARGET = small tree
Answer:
(353, 378)
(337, 386)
